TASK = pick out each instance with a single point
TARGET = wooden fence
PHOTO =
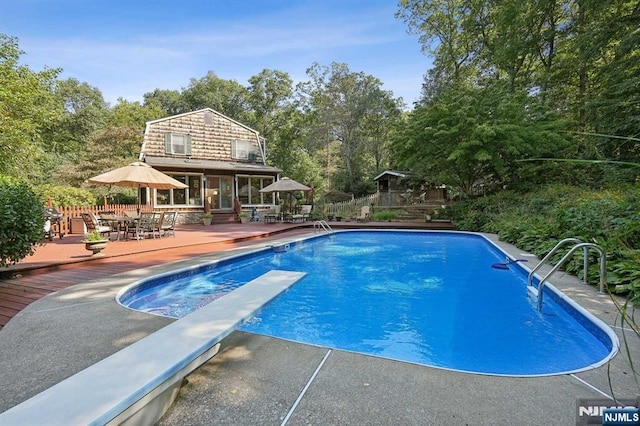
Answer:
(351, 207)
(390, 199)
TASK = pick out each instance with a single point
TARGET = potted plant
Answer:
(206, 219)
(95, 242)
(244, 217)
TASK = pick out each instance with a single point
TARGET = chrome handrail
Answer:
(551, 253)
(321, 225)
(585, 246)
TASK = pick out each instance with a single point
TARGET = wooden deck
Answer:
(65, 262)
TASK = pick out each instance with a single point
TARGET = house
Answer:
(221, 160)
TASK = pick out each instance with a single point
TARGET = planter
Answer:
(96, 247)
(244, 219)
(206, 221)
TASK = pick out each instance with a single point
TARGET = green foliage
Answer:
(94, 237)
(63, 196)
(226, 96)
(472, 137)
(337, 196)
(27, 108)
(537, 220)
(21, 221)
(350, 119)
(383, 216)
(84, 112)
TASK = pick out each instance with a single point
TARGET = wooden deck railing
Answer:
(75, 212)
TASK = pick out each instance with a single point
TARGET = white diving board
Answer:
(138, 383)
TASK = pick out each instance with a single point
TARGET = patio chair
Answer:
(364, 214)
(273, 215)
(146, 225)
(167, 223)
(93, 224)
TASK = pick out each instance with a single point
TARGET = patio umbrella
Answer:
(137, 174)
(286, 185)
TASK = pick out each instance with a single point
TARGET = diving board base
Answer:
(138, 383)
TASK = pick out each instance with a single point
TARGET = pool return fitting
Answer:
(538, 292)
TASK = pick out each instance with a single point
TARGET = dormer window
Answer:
(240, 150)
(177, 144)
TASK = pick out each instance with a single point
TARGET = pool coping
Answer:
(55, 305)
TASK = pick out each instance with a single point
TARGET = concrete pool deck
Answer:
(260, 380)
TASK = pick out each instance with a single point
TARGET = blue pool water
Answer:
(422, 297)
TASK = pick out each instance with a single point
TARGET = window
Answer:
(177, 144)
(241, 150)
(190, 196)
(249, 190)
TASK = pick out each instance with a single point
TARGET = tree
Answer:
(133, 115)
(469, 137)
(269, 95)
(169, 101)
(102, 154)
(27, 107)
(339, 104)
(225, 96)
(444, 30)
(84, 112)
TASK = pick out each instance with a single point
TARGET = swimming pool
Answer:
(429, 298)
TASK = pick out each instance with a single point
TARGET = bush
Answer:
(537, 220)
(21, 221)
(384, 216)
(64, 196)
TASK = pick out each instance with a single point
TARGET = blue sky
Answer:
(126, 48)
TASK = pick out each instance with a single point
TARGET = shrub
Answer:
(537, 220)
(62, 196)
(21, 221)
(383, 216)
(94, 236)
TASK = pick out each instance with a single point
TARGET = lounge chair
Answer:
(305, 211)
(93, 224)
(364, 214)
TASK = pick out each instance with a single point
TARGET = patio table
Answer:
(121, 223)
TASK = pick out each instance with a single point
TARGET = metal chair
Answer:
(146, 225)
(167, 224)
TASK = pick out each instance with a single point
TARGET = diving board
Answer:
(138, 383)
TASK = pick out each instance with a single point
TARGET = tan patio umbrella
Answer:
(286, 185)
(137, 174)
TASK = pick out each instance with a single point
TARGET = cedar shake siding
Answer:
(221, 161)
(212, 136)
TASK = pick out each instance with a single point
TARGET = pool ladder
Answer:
(321, 225)
(538, 292)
